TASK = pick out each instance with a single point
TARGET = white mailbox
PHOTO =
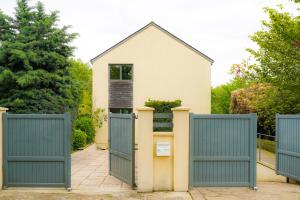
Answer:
(163, 148)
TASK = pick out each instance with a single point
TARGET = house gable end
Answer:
(159, 28)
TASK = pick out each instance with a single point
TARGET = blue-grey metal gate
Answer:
(288, 146)
(121, 147)
(223, 150)
(37, 150)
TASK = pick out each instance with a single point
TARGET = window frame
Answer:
(121, 67)
(121, 110)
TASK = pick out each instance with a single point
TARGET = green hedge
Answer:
(86, 125)
(79, 139)
(162, 106)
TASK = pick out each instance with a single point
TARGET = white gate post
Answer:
(2, 110)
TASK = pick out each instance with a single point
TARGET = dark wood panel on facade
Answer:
(120, 94)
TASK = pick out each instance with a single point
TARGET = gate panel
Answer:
(37, 150)
(288, 146)
(223, 150)
(121, 147)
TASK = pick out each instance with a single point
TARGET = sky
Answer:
(219, 29)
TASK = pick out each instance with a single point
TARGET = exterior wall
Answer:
(181, 130)
(162, 165)
(145, 150)
(158, 173)
(163, 69)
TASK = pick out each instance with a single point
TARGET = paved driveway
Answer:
(270, 187)
(90, 181)
(267, 158)
(90, 171)
(266, 191)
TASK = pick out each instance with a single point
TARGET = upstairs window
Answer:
(120, 71)
(121, 110)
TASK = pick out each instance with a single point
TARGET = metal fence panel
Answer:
(223, 150)
(37, 150)
(121, 147)
(288, 146)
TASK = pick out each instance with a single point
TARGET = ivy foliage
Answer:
(34, 52)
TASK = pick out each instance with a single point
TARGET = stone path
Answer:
(267, 158)
(90, 171)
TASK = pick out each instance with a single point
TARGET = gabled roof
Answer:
(160, 28)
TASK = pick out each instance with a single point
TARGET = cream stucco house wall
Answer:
(159, 66)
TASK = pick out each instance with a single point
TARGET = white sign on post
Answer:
(163, 148)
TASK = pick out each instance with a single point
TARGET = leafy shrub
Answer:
(267, 145)
(98, 117)
(245, 100)
(79, 139)
(162, 106)
(265, 100)
(220, 95)
(86, 125)
(86, 119)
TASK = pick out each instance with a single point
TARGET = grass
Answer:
(267, 145)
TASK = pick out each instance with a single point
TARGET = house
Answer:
(150, 63)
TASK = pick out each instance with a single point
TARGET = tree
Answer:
(87, 119)
(82, 74)
(277, 58)
(220, 95)
(34, 52)
(275, 72)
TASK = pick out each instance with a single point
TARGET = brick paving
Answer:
(90, 170)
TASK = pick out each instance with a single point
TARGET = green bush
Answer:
(86, 125)
(220, 95)
(79, 139)
(162, 106)
(267, 145)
